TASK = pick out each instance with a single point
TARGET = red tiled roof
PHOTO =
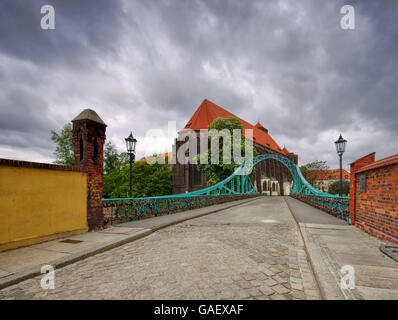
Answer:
(380, 163)
(260, 126)
(166, 154)
(332, 174)
(208, 111)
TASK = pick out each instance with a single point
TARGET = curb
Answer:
(332, 293)
(328, 283)
(311, 263)
(329, 269)
(64, 261)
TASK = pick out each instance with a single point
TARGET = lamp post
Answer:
(130, 145)
(340, 148)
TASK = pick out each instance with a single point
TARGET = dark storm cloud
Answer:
(326, 76)
(23, 111)
(83, 28)
(24, 119)
(141, 63)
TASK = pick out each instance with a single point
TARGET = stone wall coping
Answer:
(361, 158)
(380, 163)
(39, 165)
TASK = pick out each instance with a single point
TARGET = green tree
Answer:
(112, 159)
(151, 180)
(64, 151)
(114, 170)
(218, 172)
(334, 188)
(148, 181)
(116, 183)
(312, 170)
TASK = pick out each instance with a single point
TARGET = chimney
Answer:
(261, 127)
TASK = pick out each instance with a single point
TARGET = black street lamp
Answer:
(340, 148)
(130, 145)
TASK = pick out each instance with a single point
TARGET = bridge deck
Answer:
(159, 222)
(251, 251)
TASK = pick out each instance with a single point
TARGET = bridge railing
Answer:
(336, 206)
(120, 210)
(237, 186)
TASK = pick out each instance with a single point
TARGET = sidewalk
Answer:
(332, 243)
(23, 263)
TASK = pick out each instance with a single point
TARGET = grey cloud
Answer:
(82, 30)
(23, 111)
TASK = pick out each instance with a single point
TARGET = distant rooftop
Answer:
(331, 174)
(208, 111)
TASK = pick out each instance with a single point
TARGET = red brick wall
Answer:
(376, 209)
(355, 166)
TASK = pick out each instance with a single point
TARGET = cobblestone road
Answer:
(253, 251)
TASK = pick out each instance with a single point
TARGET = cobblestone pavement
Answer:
(253, 251)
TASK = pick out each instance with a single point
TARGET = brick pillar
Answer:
(262, 174)
(280, 178)
(268, 169)
(88, 140)
(355, 166)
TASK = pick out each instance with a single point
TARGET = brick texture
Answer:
(89, 139)
(375, 210)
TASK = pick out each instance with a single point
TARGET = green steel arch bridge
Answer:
(237, 186)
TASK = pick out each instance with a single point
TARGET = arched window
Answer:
(265, 185)
(273, 186)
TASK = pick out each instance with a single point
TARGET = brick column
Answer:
(355, 166)
(88, 140)
(280, 175)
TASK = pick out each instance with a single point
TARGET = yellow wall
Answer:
(40, 204)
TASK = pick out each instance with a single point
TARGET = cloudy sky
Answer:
(140, 64)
